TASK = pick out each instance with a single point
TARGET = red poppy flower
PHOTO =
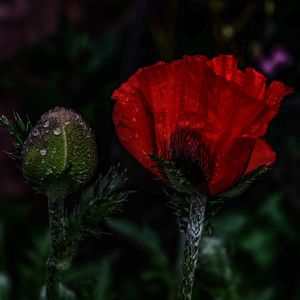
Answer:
(207, 116)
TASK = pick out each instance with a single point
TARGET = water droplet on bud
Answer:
(46, 123)
(43, 151)
(35, 132)
(57, 131)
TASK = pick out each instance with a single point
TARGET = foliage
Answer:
(19, 131)
(183, 189)
(97, 202)
(238, 189)
(33, 267)
(159, 269)
(78, 66)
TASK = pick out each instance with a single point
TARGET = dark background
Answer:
(74, 54)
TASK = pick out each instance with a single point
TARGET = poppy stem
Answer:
(58, 239)
(191, 246)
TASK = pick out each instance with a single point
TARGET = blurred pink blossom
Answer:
(278, 59)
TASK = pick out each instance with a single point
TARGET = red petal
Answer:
(175, 92)
(231, 165)
(275, 93)
(226, 67)
(134, 124)
(231, 108)
(273, 97)
(262, 155)
(252, 83)
(157, 85)
(230, 112)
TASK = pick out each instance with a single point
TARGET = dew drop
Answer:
(35, 132)
(57, 131)
(46, 123)
(43, 151)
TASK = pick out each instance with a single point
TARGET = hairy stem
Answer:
(191, 246)
(58, 239)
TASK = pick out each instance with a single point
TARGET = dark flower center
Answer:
(192, 155)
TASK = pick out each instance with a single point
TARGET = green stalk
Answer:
(191, 246)
(58, 240)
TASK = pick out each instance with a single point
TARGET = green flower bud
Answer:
(60, 154)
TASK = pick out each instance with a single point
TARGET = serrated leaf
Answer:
(180, 205)
(97, 202)
(184, 189)
(244, 184)
(19, 131)
(175, 176)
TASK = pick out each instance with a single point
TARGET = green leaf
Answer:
(103, 281)
(97, 202)
(180, 205)
(33, 269)
(175, 176)
(244, 184)
(19, 131)
(183, 189)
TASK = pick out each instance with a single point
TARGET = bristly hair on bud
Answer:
(60, 153)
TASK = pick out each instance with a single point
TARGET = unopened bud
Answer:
(60, 154)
